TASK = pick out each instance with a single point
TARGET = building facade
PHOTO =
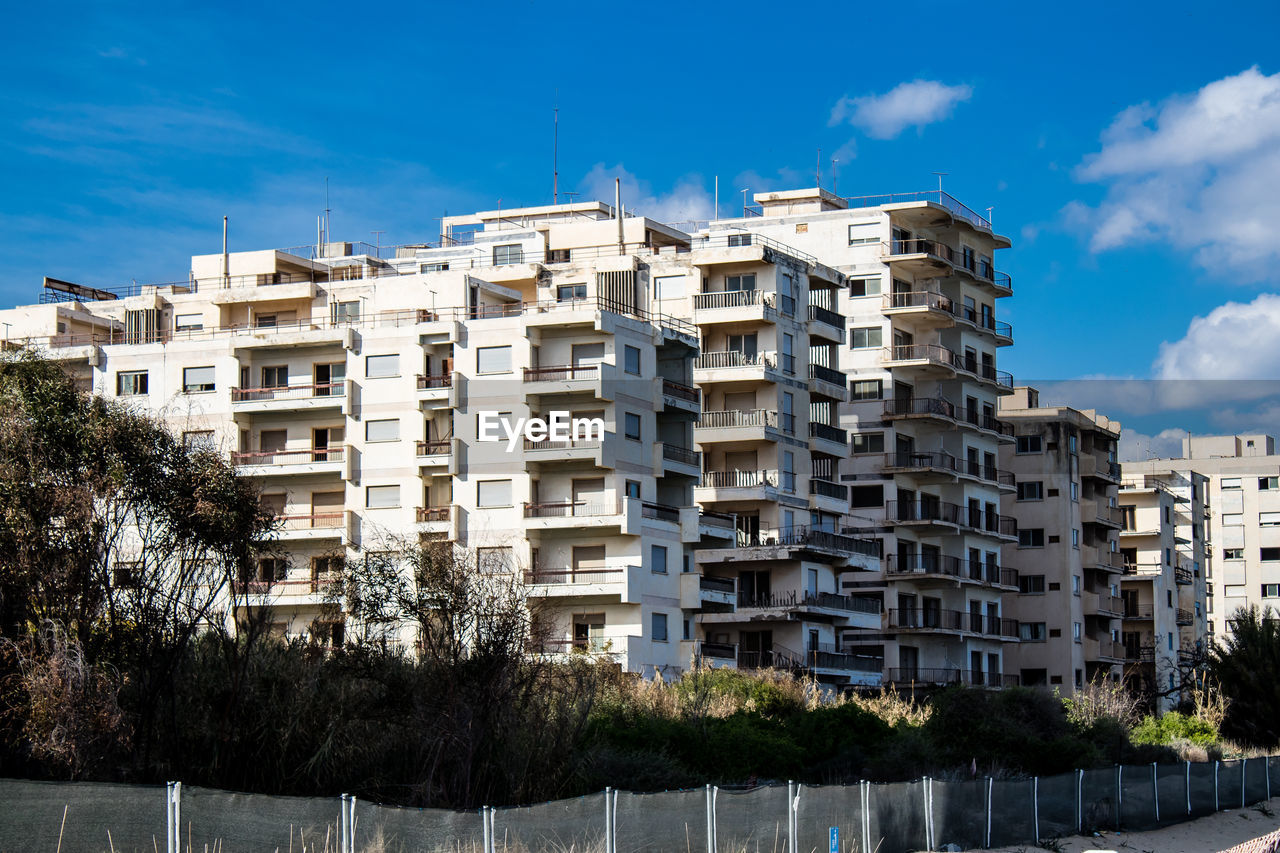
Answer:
(1069, 603)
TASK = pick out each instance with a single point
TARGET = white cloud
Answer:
(687, 200)
(1138, 446)
(1233, 341)
(912, 104)
(1199, 171)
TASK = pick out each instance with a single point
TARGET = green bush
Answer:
(1174, 726)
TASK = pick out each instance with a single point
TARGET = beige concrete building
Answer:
(1163, 547)
(1068, 556)
(799, 463)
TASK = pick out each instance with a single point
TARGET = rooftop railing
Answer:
(938, 197)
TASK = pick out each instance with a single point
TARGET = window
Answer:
(1076, 631)
(384, 430)
(1233, 553)
(1075, 584)
(274, 377)
(865, 234)
(130, 383)
(493, 359)
(1031, 491)
(188, 322)
(632, 428)
(668, 287)
(866, 496)
(1269, 554)
(1031, 537)
(196, 380)
(868, 442)
(570, 292)
(1232, 519)
(1266, 484)
(740, 282)
(866, 389)
(659, 624)
(381, 497)
(1269, 519)
(864, 286)
(1031, 584)
(633, 489)
(1171, 649)
(510, 253)
(631, 360)
(493, 493)
(865, 337)
(658, 561)
(495, 560)
(1075, 537)
(381, 366)
(433, 267)
(345, 312)
(199, 440)
(1030, 444)
(1271, 590)
(1031, 632)
(1230, 483)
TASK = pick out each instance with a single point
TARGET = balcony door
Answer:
(747, 528)
(589, 496)
(908, 663)
(324, 440)
(588, 355)
(755, 648)
(271, 441)
(326, 508)
(747, 345)
(588, 562)
(588, 632)
(327, 376)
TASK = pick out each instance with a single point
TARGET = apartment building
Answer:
(1164, 552)
(1069, 604)
(1241, 531)
(799, 465)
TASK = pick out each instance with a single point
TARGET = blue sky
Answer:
(1132, 154)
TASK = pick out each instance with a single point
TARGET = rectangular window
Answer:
(1230, 483)
(865, 337)
(1032, 490)
(1031, 584)
(381, 497)
(864, 287)
(1233, 553)
(1271, 590)
(866, 496)
(1032, 632)
(433, 267)
(493, 359)
(570, 292)
(1030, 444)
(346, 312)
(632, 428)
(383, 430)
(658, 561)
(659, 625)
(197, 379)
(864, 235)
(1269, 519)
(129, 383)
(1077, 631)
(867, 442)
(1031, 537)
(1269, 554)
(631, 360)
(188, 322)
(866, 389)
(381, 366)
(493, 493)
(740, 282)
(1266, 484)
(508, 254)
(1232, 519)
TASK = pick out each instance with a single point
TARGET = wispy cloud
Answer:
(913, 104)
(1233, 341)
(1200, 172)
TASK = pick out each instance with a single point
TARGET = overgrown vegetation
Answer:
(122, 554)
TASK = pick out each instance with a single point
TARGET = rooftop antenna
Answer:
(835, 175)
(940, 174)
(327, 234)
(717, 196)
(377, 237)
(745, 190)
(555, 152)
(818, 172)
(989, 209)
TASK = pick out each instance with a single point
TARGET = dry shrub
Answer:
(1208, 703)
(1104, 699)
(893, 707)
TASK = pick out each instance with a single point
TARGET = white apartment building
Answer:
(1241, 533)
(1164, 552)
(799, 462)
(1069, 603)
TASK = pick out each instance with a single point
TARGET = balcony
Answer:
(708, 593)
(836, 440)
(1183, 576)
(316, 460)
(1183, 618)
(602, 584)
(949, 569)
(681, 397)
(286, 591)
(1100, 558)
(738, 486)
(734, 366)
(1094, 511)
(920, 256)
(735, 425)
(434, 453)
(1104, 649)
(564, 379)
(1002, 332)
(734, 306)
(949, 518)
(327, 395)
(825, 323)
(827, 489)
(1104, 604)
(321, 525)
(828, 382)
(432, 514)
(925, 359)
(926, 620)
(681, 460)
(1138, 613)
(925, 309)
(1092, 467)
(437, 388)
(1145, 570)
(941, 677)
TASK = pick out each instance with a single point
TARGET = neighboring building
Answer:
(1162, 546)
(799, 464)
(1241, 535)
(1068, 555)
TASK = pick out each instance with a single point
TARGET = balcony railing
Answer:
(927, 618)
(561, 372)
(826, 374)
(734, 358)
(739, 479)
(828, 432)
(319, 520)
(931, 353)
(287, 586)
(919, 406)
(793, 600)
(682, 455)
(711, 583)
(731, 299)
(681, 392)
(1183, 576)
(932, 676)
(562, 444)
(288, 392)
(435, 447)
(434, 513)
(289, 457)
(938, 197)
(828, 490)
(921, 246)
(951, 566)
(738, 418)
(1138, 611)
(566, 576)
(427, 382)
(826, 316)
(920, 299)
(660, 512)
(570, 509)
(1183, 617)
(718, 520)
(948, 513)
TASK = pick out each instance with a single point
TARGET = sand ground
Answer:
(1205, 835)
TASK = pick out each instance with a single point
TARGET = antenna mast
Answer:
(555, 154)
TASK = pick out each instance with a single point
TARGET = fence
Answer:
(928, 814)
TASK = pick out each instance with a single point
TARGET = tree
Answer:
(1246, 665)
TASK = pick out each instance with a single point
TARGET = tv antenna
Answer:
(940, 174)
(555, 152)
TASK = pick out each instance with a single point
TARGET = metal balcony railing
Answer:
(711, 583)
(920, 246)
(828, 490)
(920, 299)
(1183, 617)
(570, 509)
(931, 619)
(738, 418)
(818, 314)
(683, 455)
(739, 479)
(680, 391)
(731, 299)
(1183, 576)
(435, 447)
(319, 520)
(826, 374)
(289, 457)
(426, 382)
(562, 444)
(561, 372)
(734, 358)
(938, 197)
(931, 353)
(567, 576)
(828, 432)
(288, 392)
(434, 513)
(660, 512)
(941, 676)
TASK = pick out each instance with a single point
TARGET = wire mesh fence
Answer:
(927, 814)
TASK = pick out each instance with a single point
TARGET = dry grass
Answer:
(893, 707)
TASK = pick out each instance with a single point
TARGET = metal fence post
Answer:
(1244, 763)
(1267, 766)
(928, 813)
(1035, 805)
(1080, 801)
(493, 834)
(987, 843)
(793, 807)
(710, 842)
(613, 822)
(865, 788)
(1119, 792)
(715, 833)
(176, 799)
(1155, 791)
(608, 826)
(1215, 786)
(168, 817)
(1188, 787)
(484, 822)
